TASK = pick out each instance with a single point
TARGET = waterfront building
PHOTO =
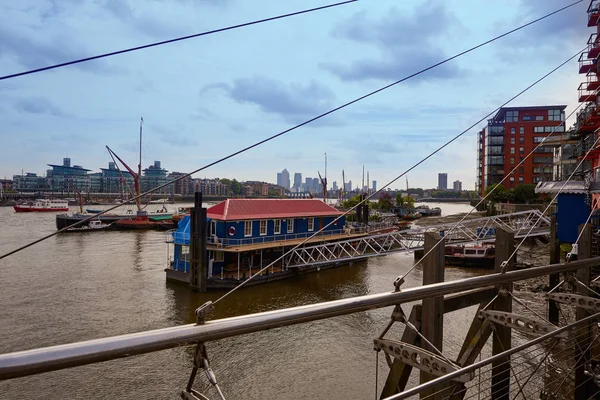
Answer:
(152, 177)
(184, 186)
(457, 186)
(443, 181)
(255, 188)
(212, 187)
(30, 182)
(334, 186)
(68, 179)
(512, 134)
(374, 186)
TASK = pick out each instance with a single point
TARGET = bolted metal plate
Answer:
(577, 300)
(520, 322)
(421, 359)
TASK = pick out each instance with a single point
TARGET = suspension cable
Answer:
(494, 187)
(146, 46)
(315, 119)
(367, 198)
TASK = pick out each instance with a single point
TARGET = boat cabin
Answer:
(247, 233)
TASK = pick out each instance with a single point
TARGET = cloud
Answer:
(35, 49)
(545, 39)
(174, 136)
(294, 102)
(38, 105)
(406, 43)
(144, 20)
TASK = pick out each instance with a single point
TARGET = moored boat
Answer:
(468, 255)
(43, 205)
(93, 225)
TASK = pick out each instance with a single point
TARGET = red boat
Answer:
(43, 205)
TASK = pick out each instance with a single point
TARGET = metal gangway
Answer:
(530, 223)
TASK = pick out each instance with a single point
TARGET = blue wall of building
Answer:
(572, 211)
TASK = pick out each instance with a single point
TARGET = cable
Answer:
(146, 46)
(398, 177)
(503, 179)
(555, 196)
(243, 150)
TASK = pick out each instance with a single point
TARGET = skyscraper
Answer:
(374, 186)
(297, 181)
(457, 186)
(443, 181)
(283, 179)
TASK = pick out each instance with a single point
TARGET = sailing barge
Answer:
(245, 235)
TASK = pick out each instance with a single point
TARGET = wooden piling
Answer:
(432, 321)
(198, 261)
(584, 386)
(501, 339)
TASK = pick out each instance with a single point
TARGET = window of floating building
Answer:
(290, 226)
(276, 226)
(521, 130)
(513, 131)
(556, 115)
(512, 116)
(247, 228)
(263, 227)
(311, 224)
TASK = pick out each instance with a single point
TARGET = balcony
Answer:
(586, 64)
(592, 81)
(588, 120)
(593, 46)
(586, 95)
(593, 12)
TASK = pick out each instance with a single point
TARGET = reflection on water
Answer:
(86, 285)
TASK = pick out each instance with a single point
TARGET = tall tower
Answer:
(443, 181)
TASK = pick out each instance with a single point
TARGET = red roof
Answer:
(238, 209)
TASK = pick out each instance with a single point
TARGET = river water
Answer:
(81, 286)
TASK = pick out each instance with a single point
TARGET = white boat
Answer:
(93, 225)
(43, 205)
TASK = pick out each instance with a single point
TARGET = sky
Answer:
(207, 97)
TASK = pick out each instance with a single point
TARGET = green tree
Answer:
(525, 193)
(351, 202)
(385, 202)
(497, 193)
(399, 200)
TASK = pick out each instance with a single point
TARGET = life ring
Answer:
(231, 230)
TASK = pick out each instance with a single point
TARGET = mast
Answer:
(138, 186)
(368, 187)
(362, 187)
(343, 185)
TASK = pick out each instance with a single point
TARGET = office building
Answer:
(297, 181)
(508, 137)
(442, 181)
(374, 186)
(283, 179)
(457, 186)
(67, 178)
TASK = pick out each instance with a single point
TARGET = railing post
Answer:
(554, 259)
(505, 246)
(432, 320)
(584, 386)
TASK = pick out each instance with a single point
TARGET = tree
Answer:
(385, 201)
(525, 193)
(497, 193)
(399, 200)
(351, 202)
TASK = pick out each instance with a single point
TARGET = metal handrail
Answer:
(29, 362)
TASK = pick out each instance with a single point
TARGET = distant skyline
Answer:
(207, 97)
